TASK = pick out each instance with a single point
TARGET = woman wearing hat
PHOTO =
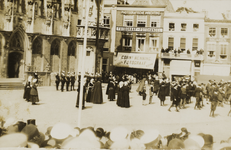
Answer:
(27, 89)
(125, 93)
(90, 90)
(34, 91)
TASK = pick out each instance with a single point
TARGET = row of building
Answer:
(148, 35)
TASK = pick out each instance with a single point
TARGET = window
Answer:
(155, 21)
(212, 32)
(39, 7)
(141, 21)
(75, 6)
(195, 27)
(55, 47)
(57, 9)
(211, 47)
(1, 5)
(182, 43)
(105, 64)
(154, 45)
(140, 45)
(224, 32)
(0, 45)
(171, 43)
(71, 48)
(37, 46)
(171, 26)
(128, 20)
(127, 42)
(183, 26)
(195, 44)
(20, 6)
(88, 53)
(106, 21)
(79, 21)
(223, 50)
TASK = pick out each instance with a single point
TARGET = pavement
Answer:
(56, 106)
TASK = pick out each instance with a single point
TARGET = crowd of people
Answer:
(65, 79)
(19, 134)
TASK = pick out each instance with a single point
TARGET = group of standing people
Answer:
(92, 90)
(30, 89)
(65, 79)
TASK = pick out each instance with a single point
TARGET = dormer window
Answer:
(171, 26)
(183, 26)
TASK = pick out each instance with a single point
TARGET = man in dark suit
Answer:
(68, 80)
(63, 80)
(57, 81)
(72, 81)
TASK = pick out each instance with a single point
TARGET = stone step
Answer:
(11, 84)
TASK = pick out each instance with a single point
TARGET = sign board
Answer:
(156, 13)
(179, 67)
(135, 60)
(140, 29)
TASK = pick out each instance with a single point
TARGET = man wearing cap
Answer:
(57, 81)
(68, 80)
(63, 80)
(73, 81)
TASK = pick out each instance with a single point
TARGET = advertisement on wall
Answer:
(135, 60)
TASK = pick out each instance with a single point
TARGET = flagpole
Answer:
(81, 95)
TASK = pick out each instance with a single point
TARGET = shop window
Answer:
(141, 21)
(171, 26)
(106, 21)
(223, 51)
(224, 32)
(71, 48)
(195, 27)
(183, 26)
(55, 47)
(182, 43)
(128, 20)
(155, 21)
(37, 46)
(170, 43)
(154, 44)
(39, 6)
(57, 5)
(212, 32)
(140, 45)
(195, 44)
(211, 47)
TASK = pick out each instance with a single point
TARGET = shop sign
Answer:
(157, 13)
(140, 29)
(135, 60)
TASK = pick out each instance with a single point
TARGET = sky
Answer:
(199, 5)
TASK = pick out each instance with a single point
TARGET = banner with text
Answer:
(135, 60)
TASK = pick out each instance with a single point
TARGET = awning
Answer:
(135, 60)
(179, 67)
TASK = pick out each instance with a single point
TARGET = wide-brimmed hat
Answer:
(13, 140)
(118, 133)
(176, 144)
(9, 121)
(149, 136)
(194, 141)
(61, 131)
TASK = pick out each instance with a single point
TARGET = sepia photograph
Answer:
(115, 74)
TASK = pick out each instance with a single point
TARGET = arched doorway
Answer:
(55, 55)
(15, 57)
(15, 65)
(71, 56)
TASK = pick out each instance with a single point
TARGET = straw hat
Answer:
(61, 131)
(118, 133)
(9, 121)
(13, 140)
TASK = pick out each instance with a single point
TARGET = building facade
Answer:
(46, 36)
(136, 36)
(217, 46)
(183, 44)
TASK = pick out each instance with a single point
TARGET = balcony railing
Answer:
(182, 56)
(91, 32)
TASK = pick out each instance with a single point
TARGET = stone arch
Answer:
(55, 55)
(37, 48)
(71, 56)
(17, 54)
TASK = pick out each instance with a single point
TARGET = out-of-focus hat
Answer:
(61, 131)
(9, 121)
(48, 130)
(208, 139)
(149, 136)
(120, 144)
(118, 133)
(89, 134)
(136, 144)
(198, 139)
(12, 129)
(13, 140)
(79, 143)
(176, 144)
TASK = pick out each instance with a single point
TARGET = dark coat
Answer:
(34, 93)
(78, 95)
(125, 94)
(120, 96)
(90, 92)
(156, 85)
(198, 92)
(162, 91)
(97, 93)
(111, 91)
(27, 89)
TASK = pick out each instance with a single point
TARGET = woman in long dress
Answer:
(27, 89)
(125, 94)
(78, 95)
(111, 90)
(90, 90)
(162, 92)
(141, 85)
(97, 93)
(120, 94)
(34, 92)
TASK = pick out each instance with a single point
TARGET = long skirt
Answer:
(213, 105)
(34, 98)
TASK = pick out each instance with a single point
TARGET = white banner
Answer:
(135, 60)
(179, 67)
